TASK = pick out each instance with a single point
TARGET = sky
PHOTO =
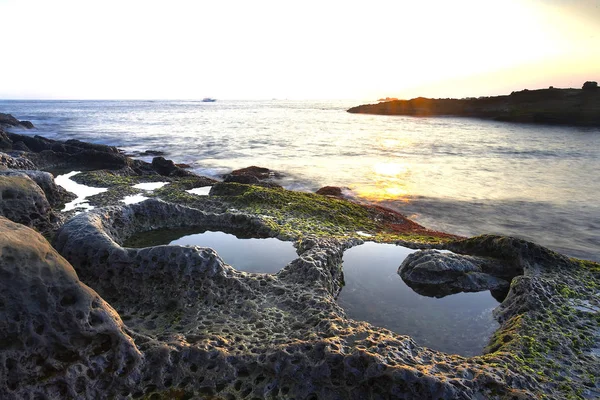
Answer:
(190, 49)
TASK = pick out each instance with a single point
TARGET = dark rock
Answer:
(168, 167)
(5, 142)
(20, 146)
(436, 274)
(9, 120)
(590, 85)
(154, 153)
(245, 179)
(48, 153)
(92, 146)
(260, 173)
(330, 191)
(228, 189)
(27, 124)
(580, 107)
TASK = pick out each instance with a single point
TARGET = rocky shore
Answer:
(579, 107)
(83, 316)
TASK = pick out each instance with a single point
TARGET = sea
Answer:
(459, 175)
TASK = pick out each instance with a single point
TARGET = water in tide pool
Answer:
(459, 175)
(249, 254)
(374, 292)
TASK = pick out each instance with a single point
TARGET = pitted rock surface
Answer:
(240, 335)
(56, 195)
(23, 201)
(58, 338)
(436, 274)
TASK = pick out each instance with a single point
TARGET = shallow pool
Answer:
(268, 255)
(374, 292)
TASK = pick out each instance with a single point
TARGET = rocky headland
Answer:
(84, 316)
(579, 107)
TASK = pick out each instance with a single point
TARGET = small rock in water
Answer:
(330, 191)
(436, 274)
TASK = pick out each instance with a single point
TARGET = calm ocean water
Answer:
(464, 176)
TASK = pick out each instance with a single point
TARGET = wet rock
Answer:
(23, 201)
(167, 167)
(9, 120)
(330, 191)
(435, 274)
(245, 179)
(260, 173)
(154, 153)
(47, 153)
(26, 124)
(5, 142)
(58, 338)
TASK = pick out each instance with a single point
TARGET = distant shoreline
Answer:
(575, 107)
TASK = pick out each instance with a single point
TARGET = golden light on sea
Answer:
(389, 182)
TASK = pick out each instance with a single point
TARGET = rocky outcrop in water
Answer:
(253, 175)
(436, 274)
(330, 191)
(10, 121)
(168, 168)
(545, 106)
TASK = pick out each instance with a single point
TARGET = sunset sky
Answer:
(130, 49)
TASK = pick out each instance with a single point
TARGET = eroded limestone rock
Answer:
(241, 335)
(23, 201)
(58, 338)
(56, 195)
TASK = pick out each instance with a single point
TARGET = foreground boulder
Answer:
(58, 338)
(23, 201)
(56, 195)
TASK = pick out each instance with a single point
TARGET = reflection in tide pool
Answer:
(81, 191)
(374, 292)
(251, 255)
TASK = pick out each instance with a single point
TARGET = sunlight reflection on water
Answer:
(464, 175)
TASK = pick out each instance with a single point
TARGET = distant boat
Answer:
(208, 100)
